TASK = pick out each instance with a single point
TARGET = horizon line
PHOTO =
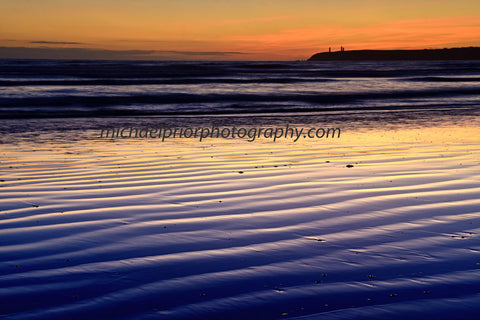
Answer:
(55, 53)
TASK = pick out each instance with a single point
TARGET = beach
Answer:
(239, 160)
(381, 222)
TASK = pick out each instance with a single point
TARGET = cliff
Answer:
(470, 53)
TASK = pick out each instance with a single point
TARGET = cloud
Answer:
(201, 53)
(400, 34)
(103, 54)
(55, 42)
(70, 53)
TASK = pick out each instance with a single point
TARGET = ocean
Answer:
(63, 88)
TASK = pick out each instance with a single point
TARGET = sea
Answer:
(81, 88)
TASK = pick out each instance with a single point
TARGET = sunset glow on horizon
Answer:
(231, 30)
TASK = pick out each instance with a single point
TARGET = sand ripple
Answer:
(241, 230)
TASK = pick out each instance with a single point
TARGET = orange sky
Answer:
(233, 30)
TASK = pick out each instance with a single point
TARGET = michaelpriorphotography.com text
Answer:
(223, 132)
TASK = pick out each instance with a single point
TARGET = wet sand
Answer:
(383, 222)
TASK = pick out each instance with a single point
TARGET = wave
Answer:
(168, 98)
(62, 89)
(92, 69)
(445, 79)
(136, 82)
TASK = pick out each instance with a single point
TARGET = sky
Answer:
(228, 29)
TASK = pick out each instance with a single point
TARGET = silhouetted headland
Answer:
(470, 53)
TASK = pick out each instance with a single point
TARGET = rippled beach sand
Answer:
(381, 223)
